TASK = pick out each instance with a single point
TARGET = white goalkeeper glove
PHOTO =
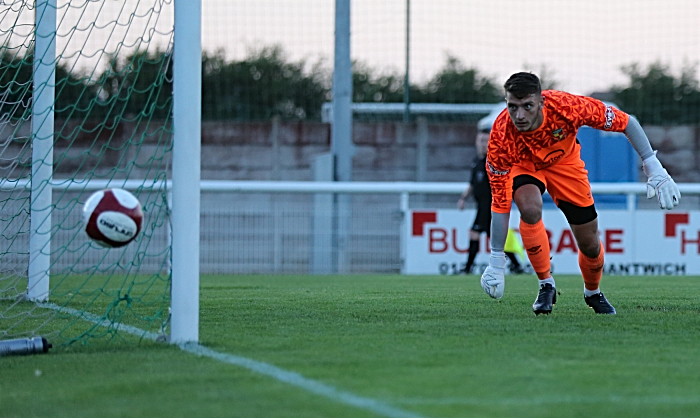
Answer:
(660, 184)
(493, 281)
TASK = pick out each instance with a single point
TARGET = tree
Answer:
(261, 86)
(545, 74)
(139, 85)
(656, 97)
(15, 85)
(455, 83)
(367, 87)
(73, 92)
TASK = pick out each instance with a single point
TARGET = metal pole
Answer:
(43, 97)
(405, 222)
(341, 132)
(342, 147)
(631, 202)
(406, 84)
(187, 115)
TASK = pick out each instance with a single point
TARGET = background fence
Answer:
(278, 227)
(267, 73)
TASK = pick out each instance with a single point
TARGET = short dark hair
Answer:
(522, 85)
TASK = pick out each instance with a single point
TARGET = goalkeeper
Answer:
(533, 147)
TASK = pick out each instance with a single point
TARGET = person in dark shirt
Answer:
(480, 189)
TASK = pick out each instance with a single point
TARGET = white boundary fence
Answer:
(355, 187)
(404, 189)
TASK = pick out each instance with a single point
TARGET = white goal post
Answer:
(187, 120)
(43, 97)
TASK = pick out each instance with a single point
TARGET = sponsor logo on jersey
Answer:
(609, 117)
(497, 172)
(559, 134)
(549, 159)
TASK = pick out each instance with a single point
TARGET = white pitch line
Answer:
(552, 399)
(292, 378)
(300, 381)
(101, 321)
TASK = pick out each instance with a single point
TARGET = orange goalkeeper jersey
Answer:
(552, 142)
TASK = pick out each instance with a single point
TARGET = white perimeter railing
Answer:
(403, 188)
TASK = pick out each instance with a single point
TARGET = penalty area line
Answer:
(286, 376)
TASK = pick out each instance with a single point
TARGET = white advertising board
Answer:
(643, 242)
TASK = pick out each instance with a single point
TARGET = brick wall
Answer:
(285, 150)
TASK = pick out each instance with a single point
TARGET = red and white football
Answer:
(112, 217)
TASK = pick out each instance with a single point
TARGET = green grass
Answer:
(435, 346)
(138, 300)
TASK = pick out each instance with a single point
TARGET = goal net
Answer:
(85, 104)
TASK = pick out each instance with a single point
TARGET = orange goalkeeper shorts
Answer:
(566, 181)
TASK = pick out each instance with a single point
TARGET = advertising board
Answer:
(642, 242)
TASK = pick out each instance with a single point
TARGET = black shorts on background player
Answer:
(481, 189)
(482, 221)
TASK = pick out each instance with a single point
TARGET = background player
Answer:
(480, 188)
(533, 147)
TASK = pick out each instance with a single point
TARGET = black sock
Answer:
(473, 250)
(513, 259)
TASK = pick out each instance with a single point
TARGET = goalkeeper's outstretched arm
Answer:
(499, 231)
(659, 182)
(635, 134)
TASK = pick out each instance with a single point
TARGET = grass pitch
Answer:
(428, 346)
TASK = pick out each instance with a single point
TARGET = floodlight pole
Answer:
(342, 147)
(43, 96)
(406, 83)
(187, 125)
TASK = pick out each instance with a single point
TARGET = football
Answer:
(112, 217)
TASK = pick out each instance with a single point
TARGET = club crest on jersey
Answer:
(559, 134)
